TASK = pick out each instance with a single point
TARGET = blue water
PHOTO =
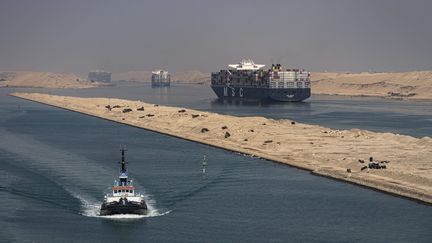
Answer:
(55, 166)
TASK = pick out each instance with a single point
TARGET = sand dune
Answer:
(319, 149)
(407, 85)
(195, 77)
(135, 76)
(43, 80)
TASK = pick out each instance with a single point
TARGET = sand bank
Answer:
(318, 149)
(403, 85)
(43, 80)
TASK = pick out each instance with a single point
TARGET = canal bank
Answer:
(318, 149)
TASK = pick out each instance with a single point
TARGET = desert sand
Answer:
(321, 150)
(43, 80)
(134, 76)
(405, 85)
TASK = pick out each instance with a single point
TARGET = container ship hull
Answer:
(160, 78)
(161, 84)
(261, 93)
(247, 80)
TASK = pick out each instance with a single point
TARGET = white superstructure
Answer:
(246, 64)
(126, 191)
(161, 78)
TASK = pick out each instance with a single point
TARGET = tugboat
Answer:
(123, 199)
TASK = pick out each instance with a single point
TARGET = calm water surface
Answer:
(55, 166)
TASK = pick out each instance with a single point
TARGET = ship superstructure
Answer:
(161, 78)
(123, 199)
(247, 80)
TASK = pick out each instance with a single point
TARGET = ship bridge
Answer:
(246, 64)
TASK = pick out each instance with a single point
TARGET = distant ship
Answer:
(161, 78)
(99, 76)
(248, 80)
(123, 199)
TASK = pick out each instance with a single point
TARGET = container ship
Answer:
(99, 76)
(247, 80)
(161, 78)
(123, 199)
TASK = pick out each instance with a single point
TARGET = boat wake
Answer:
(91, 208)
(133, 216)
(63, 169)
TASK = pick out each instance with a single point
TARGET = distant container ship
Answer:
(248, 80)
(99, 76)
(161, 78)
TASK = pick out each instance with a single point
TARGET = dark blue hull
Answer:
(161, 84)
(123, 207)
(261, 93)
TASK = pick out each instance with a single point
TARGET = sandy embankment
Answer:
(321, 150)
(406, 85)
(43, 80)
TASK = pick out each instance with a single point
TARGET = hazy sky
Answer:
(345, 35)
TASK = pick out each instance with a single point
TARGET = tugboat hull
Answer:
(123, 207)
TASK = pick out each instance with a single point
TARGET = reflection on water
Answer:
(215, 103)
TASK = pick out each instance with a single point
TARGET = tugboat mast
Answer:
(123, 163)
(123, 174)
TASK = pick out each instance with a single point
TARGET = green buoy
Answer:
(204, 164)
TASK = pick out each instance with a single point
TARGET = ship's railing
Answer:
(275, 79)
(242, 78)
(289, 79)
(289, 84)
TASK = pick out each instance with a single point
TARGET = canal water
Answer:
(56, 165)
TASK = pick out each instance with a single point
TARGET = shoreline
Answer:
(381, 96)
(376, 96)
(406, 189)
